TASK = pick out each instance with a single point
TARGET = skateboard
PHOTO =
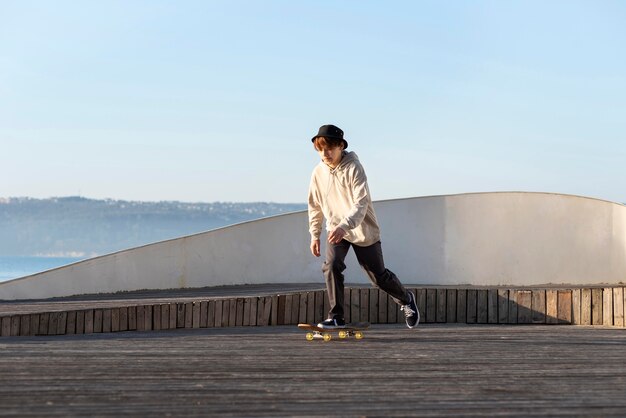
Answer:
(351, 330)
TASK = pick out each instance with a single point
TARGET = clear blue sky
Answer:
(217, 100)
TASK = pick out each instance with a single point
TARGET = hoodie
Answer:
(341, 195)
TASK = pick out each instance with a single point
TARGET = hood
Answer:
(348, 157)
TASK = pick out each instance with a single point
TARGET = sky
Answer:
(205, 101)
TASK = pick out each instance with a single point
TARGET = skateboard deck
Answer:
(351, 330)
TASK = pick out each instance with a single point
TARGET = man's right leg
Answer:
(333, 273)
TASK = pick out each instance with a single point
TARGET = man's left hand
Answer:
(336, 235)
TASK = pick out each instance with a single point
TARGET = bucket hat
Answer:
(331, 131)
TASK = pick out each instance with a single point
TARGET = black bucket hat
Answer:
(331, 131)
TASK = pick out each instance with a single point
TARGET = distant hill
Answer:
(76, 226)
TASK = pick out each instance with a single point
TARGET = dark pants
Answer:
(371, 260)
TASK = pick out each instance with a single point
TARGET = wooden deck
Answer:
(435, 370)
(290, 304)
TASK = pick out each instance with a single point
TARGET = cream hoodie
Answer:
(341, 195)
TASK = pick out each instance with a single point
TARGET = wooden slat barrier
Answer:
(578, 306)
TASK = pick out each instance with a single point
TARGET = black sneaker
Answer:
(332, 323)
(411, 312)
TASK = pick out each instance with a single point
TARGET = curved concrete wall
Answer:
(519, 239)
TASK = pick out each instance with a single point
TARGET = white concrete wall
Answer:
(517, 239)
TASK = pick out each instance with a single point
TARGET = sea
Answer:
(12, 267)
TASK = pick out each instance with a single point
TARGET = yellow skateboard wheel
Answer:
(358, 335)
(327, 337)
(309, 336)
(343, 334)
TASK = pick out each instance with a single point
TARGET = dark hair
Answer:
(322, 142)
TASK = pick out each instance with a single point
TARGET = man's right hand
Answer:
(315, 247)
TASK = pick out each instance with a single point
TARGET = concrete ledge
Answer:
(600, 306)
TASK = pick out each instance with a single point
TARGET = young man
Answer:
(339, 193)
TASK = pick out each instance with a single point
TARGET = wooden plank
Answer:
(538, 306)
(88, 322)
(210, 320)
(156, 317)
(106, 320)
(618, 306)
(53, 324)
(97, 320)
(25, 325)
(299, 308)
(564, 307)
(225, 312)
(461, 306)
(503, 306)
(392, 312)
(355, 305)
(320, 314)
(607, 306)
(171, 315)
(62, 326)
(123, 318)
(132, 318)
(347, 304)
(271, 310)
(472, 312)
(189, 314)
(195, 320)
(624, 307)
(451, 305)
(326, 305)
(382, 307)
(440, 315)
(15, 325)
(141, 318)
(80, 322)
(44, 319)
(254, 305)
(482, 307)
(585, 307)
(71, 323)
(115, 319)
(246, 313)
(165, 316)
(420, 301)
(513, 308)
(596, 307)
(273, 304)
(576, 318)
(364, 296)
(220, 320)
(552, 306)
(310, 307)
(524, 307)
(286, 309)
(180, 315)
(6, 326)
(204, 314)
(373, 305)
(232, 315)
(492, 306)
(431, 305)
(148, 317)
(219, 309)
(34, 324)
(260, 312)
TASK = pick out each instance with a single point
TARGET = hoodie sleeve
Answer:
(360, 199)
(316, 216)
